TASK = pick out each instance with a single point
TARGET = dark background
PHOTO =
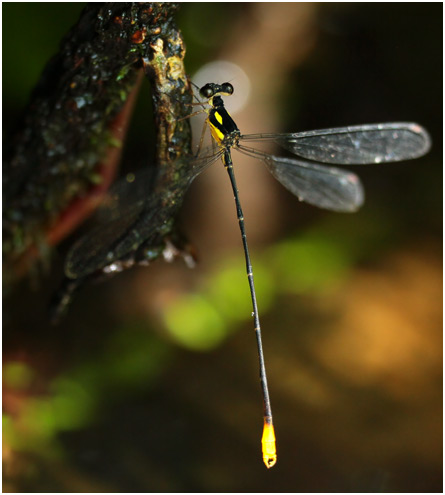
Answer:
(150, 383)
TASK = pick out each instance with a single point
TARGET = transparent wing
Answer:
(355, 145)
(133, 191)
(127, 195)
(138, 210)
(325, 187)
(207, 156)
(106, 243)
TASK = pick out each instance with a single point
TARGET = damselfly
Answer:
(139, 228)
(326, 187)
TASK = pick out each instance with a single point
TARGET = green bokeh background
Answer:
(150, 384)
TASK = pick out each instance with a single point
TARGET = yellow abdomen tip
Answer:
(269, 447)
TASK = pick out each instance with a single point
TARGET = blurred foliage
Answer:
(153, 386)
(203, 320)
(131, 359)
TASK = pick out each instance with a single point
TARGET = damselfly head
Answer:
(212, 89)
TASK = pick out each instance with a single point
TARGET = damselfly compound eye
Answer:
(207, 91)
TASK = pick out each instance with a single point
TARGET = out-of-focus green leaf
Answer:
(194, 323)
(17, 375)
(307, 264)
(228, 289)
